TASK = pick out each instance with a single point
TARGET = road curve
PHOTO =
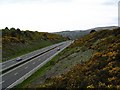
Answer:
(13, 62)
(9, 79)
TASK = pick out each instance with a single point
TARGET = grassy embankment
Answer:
(90, 62)
(16, 42)
(59, 64)
(101, 70)
(37, 74)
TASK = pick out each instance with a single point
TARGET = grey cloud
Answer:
(58, 0)
(108, 3)
(33, 1)
(111, 2)
(17, 1)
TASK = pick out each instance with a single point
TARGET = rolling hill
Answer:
(16, 42)
(92, 61)
(75, 34)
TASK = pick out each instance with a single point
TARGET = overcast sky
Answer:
(58, 15)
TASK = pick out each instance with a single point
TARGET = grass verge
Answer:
(24, 49)
(38, 73)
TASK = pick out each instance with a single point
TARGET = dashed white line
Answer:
(26, 67)
(3, 65)
(34, 63)
(2, 82)
(15, 73)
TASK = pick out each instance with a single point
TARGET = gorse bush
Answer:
(16, 42)
(102, 70)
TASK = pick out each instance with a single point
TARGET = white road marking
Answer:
(34, 63)
(10, 86)
(15, 73)
(2, 82)
(26, 62)
(3, 65)
(26, 67)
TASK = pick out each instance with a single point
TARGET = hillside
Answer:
(76, 34)
(16, 42)
(90, 62)
(73, 34)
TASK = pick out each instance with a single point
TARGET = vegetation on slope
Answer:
(73, 34)
(102, 70)
(76, 34)
(16, 42)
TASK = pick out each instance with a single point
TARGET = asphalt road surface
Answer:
(13, 62)
(18, 72)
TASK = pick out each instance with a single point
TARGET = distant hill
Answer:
(73, 34)
(16, 42)
(103, 28)
(80, 33)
